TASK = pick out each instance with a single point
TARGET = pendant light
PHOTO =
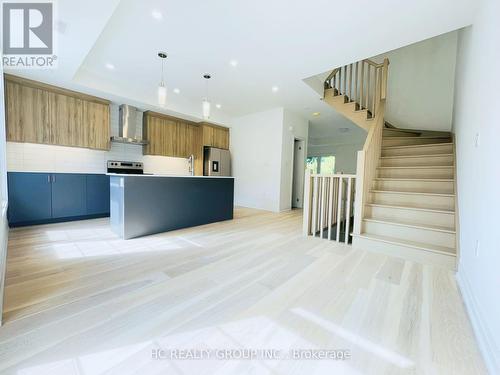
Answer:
(162, 89)
(206, 102)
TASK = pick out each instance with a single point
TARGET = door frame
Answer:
(304, 144)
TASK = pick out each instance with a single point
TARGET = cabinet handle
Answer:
(53, 178)
(48, 178)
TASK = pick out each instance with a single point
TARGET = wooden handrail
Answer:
(334, 71)
(373, 63)
(332, 175)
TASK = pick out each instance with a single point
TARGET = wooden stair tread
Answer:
(423, 145)
(411, 193)
(416, 245)
(414, 208)
(414, 179)
(420, 137)
(415, 156)
(418, 167)
(409, 224)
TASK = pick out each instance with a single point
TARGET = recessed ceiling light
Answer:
(218, 106)
(316, 113)
(233, 63)
(110, 66)
(275, 89)
(177, 91)
(157, 15)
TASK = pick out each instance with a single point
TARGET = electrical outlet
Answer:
(477, 248)
(476, 140)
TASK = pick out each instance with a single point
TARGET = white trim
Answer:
(4, 235)
(485, 341)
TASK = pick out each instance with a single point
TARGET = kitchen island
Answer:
(148, 204)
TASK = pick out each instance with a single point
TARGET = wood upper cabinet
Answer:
(96, 129)
(170, 136)
(215, 136)
(27, 114)
(66, 121)
(161, 133)
(188, 139)
(39, 113)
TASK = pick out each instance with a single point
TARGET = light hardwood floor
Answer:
(81, 301)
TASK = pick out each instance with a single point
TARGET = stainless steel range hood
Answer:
(127, 125)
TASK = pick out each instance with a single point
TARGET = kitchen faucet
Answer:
(191, 164)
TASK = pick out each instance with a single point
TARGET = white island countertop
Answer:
(162, 175)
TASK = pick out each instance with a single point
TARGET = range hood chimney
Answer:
(127, 125)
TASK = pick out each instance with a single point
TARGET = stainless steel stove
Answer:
(125, 167)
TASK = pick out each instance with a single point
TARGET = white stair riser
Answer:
(425, 236)
(435, 202)
(417, 255)
(446, 160)
(416, 172)
(415, 216)
(427, 150)
(398, 141)
(443, 187)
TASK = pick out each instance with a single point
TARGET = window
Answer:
(327, 164)
(312, 164)
(321, 164)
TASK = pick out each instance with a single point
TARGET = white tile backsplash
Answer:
(30, 157)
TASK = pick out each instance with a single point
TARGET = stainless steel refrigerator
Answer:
(216, 162)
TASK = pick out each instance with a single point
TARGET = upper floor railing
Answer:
(363, 82)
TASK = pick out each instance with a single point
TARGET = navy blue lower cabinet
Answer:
(69, 196)
(29, 197)
(97, 194)
(38, 198)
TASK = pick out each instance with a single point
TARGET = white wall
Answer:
(262, 158)
(344, 146)
(478, 176)
(4, 230)
(28, 157)
(256, 142)
(294, 127)
(421, 82)
(345, 155)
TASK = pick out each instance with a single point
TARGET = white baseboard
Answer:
(243, 205)
(486, 343)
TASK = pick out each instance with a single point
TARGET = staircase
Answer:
(405, 179)
(410, 210)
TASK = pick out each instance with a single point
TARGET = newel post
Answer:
(385, 71)
(359, 193)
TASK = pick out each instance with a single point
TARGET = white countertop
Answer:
(162, 175)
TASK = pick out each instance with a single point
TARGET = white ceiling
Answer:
(277, 42)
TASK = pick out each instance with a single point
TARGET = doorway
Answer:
(298, 173)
